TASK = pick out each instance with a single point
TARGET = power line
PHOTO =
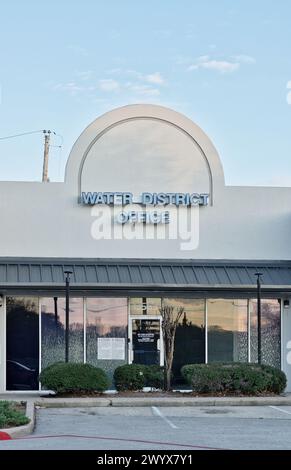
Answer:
(20, 135)
(47, 136)
(47, 144)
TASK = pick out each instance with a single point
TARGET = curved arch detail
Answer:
(152, 118)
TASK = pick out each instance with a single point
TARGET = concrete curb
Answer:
(201, 401)
(72, 402)
(162, 401)
(27, 429)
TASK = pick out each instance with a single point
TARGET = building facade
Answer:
(143, 219)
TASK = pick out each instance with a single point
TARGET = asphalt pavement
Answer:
(159, 428)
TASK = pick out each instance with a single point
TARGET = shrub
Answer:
(234, 378)
(137, 376)
(10, 415)
(277, 378)
(129, 377)
(71, 377)
(154, 376)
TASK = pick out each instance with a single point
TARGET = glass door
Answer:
(146, 341)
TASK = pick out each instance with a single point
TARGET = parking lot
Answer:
(179, 428)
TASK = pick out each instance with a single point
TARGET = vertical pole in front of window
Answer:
(249, 330)
(85, 329)
(281, 333)
(39, 341)
(206, 331)
(67, 322)
(259, 316)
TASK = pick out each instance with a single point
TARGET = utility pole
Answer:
(47, 136)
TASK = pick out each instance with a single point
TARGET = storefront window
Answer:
(145, 306)
(22, 343)
(270, 332)
(53, 330)
(190, 334)
(227, 330)
(106, 333)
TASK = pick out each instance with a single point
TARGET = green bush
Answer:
(234, 378)
(154, 376)
(11, 416)
(278, 378)
(129, 377)
(68, 377)
(137, 376)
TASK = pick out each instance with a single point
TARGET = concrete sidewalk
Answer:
(132, 401)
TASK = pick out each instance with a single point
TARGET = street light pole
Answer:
(67, 323)
(258, 274)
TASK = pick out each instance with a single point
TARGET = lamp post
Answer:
(67, 323)
(258, 274)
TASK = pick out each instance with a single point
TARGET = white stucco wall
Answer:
(144, 148)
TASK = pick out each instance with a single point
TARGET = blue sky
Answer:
(224, 63)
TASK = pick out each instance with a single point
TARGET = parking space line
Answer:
(280, 409)
(157, 412)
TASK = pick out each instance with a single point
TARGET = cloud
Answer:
(244, 59)
(85, 75)
(203, 58)
(133, 74)
(144, 90)
(288, 84)
(221, 66)
(155, 78)
(115, 71)
(182, 60)
(71, 87)
(131, 84)
(108, 84)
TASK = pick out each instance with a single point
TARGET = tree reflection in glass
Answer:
(106, 318)
(227, 330)
(53, 330)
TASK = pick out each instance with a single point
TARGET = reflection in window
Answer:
(106, 318)
(145, 306)
(190, 334)
(227, 330)
(53, 311)
(22, 343)
(270, 331)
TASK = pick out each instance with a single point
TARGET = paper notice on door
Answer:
(111, 348)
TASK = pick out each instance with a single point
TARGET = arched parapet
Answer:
(144, 148)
